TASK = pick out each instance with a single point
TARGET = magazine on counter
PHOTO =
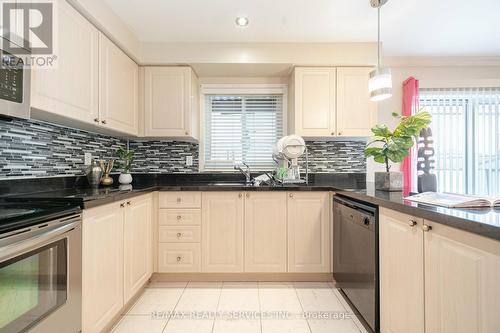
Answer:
(451, 200)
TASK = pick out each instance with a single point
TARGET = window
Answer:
(466, 133)
(241, 129)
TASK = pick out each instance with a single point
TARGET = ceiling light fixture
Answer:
(380, 82)
(242, 21)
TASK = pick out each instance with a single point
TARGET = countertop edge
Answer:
(464, 224)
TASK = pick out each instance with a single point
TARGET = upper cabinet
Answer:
(93, 85)
(69, 91)
(118, 88)
(312, 108)
(356, 114)
(171, 107)
(331, 102)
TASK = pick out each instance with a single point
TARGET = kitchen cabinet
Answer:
(68, 93)
(116, 258)
(138, 262)
(222, 231)
(462, 271)
(308, 215)
(330, 102)
(171, 106)
(312, 107)
(102, 266)
(118, 89)
(179, 232)
(265, 232)
(436, 279)
(356, 114)
(401, 242)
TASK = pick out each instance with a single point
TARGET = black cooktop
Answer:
(18, 213)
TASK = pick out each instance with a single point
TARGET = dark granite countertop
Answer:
(484, 222)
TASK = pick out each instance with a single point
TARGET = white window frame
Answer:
(237, 89)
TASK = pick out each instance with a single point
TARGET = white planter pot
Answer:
(125, 178)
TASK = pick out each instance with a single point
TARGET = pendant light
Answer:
(380, 82)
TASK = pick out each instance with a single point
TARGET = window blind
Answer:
(242, 129)
(466, 132)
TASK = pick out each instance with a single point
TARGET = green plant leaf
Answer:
(372, 151)
(381, 131)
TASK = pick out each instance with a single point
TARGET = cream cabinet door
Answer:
(308, 232)
(356, 114)
(462, 272)
(401, 273)
(118, 89)
(102, 266)
(70, 89)
(265, 232)
(314, 102)
(170, 106)
(138, 260)
(222, 231)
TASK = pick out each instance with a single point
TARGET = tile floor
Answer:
(239, 307)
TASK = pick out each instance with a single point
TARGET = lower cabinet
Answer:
(265, 232)
(222, 229)
(308, 232)
(102, 266)
(137, 263)
(116, 258)
(401, 246)
(436, 279)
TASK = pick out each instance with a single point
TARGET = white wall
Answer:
(431, 76)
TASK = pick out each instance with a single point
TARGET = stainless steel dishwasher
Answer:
(355, 258)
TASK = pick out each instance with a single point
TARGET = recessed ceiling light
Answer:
(242, 21)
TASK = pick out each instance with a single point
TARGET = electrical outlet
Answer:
(87, 158)
(189, 160)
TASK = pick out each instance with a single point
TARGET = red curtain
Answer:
(410, 106)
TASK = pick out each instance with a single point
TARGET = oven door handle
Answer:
(14, 249)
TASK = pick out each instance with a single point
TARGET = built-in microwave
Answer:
(15, 80)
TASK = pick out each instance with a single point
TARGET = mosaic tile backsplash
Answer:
(30, 148)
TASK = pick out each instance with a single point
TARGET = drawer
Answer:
(174, 234)
(180, 217)
(179, 257)
(180, 200)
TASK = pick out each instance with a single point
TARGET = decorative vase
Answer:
(125, 178)
(106, 167)
(389, 181)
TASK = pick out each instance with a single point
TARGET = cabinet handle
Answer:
(333, 133)
(179, 235)
(240, 195)
(248, 195)
(104, 122)
(179, 217)
(412, 223)
(122, 205)
(179, 200)
(291, 195)
(340, 133)
(96, 120)
(179, 259)
(426, 228)
(129, 203)
(187, 133)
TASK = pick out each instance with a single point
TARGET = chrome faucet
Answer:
(246, 172)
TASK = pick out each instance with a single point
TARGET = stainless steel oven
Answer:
(15, 82)
(41, 277)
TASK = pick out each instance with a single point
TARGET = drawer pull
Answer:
(426, 228)
(179, 200)
(412, 223)
(179, 259)
(291, 195)
(179, 217)
(179, 235)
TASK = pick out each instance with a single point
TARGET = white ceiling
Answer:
(409, 27)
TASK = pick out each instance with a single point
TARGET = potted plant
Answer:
(125, 158)
(394, 146)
